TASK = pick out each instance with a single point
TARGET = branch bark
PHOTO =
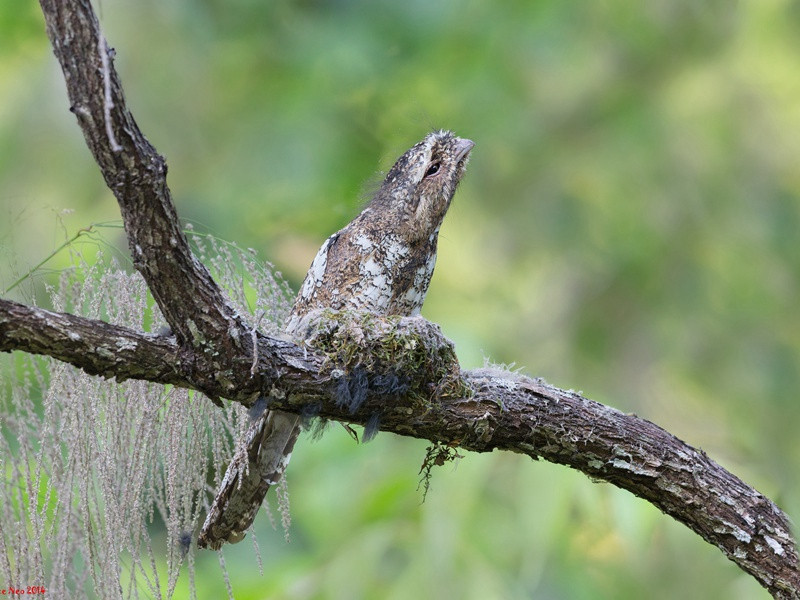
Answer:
(478, 410)
(188, 297)
(97, 347)
(492, 409)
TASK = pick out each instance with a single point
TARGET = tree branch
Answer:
(356, 371)
(190, 300)
(336, 375)
(97, 347)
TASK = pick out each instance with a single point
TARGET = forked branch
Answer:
(481, 410)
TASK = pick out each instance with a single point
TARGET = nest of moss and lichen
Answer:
(386, 355)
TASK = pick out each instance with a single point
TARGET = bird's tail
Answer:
(260, 464)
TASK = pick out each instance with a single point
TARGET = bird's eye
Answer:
(433, 169)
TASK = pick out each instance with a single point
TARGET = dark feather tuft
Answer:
(371, 428)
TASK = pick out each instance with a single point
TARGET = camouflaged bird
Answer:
(381, 262)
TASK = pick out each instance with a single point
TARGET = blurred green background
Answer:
(628, 227)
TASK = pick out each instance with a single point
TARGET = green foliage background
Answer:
(628, 227)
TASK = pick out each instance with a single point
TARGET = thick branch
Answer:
(190, 300)
(506, 411)
(511, 412)
(479, 410)
(97, 347)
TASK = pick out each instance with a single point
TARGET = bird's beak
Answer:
(463, 147)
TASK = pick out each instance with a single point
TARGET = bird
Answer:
(381, 262)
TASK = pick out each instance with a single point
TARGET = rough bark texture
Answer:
(97, 347)
(191, 302)
(479, 410)
(422, 395)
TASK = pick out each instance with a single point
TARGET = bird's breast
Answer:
(369, 271)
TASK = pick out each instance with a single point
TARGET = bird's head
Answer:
(419, 187)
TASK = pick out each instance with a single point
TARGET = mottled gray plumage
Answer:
(381, 262)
